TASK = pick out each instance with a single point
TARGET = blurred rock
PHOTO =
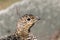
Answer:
(48, 10)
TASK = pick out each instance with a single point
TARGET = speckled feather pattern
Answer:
(11, 37)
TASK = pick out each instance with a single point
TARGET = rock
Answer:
(48, 10)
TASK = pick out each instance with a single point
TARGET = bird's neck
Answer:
(23, 29)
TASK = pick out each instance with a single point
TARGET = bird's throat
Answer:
(24, 31)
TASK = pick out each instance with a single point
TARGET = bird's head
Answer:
(26, 21)
(29, 19)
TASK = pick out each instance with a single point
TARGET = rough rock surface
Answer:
(48, 10)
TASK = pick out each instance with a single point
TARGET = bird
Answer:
(24, 25)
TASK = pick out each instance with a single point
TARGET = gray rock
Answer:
(48, 10)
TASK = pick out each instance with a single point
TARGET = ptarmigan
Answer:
(23, 28)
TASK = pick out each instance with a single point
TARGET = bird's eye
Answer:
(28, 19)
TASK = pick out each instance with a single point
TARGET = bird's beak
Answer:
(38, 18)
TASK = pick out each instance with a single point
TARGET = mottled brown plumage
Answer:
(23, 28)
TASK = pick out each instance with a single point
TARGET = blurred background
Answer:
(48, 10)
(5, 3)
